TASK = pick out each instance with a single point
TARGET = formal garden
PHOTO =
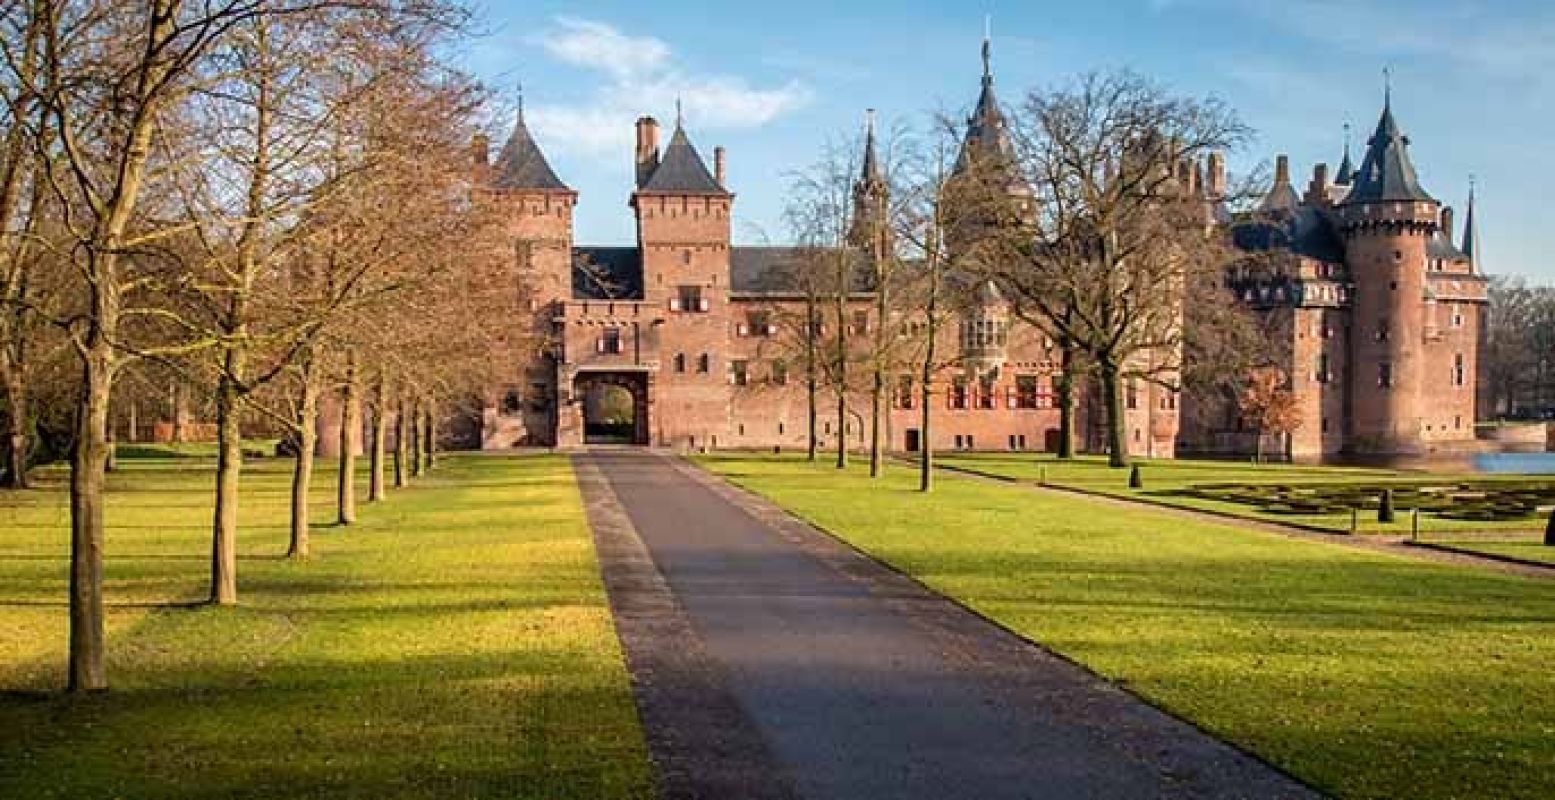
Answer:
(453, 642)
(1367, 674)
(1515, 508)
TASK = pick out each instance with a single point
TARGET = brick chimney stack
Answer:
(1217, 175)
(1282, 170)
(1317, 191)
(647, 148)
(480, 150)
(718, 166)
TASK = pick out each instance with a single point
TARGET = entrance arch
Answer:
(614, 407)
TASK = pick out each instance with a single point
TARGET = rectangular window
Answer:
(860, 324)
(738, 374)
(688, 299)
(680, 362)
(1322, 374)
(780, 372)
(1382, 330)
(985, 393)
(610, 340)
(757, 323)
(1459, 372)
(956, 397)
(704, 363)
(904, 392)
(1131, 396)
(1026, 395)
(1385, 375)
(1457, 316)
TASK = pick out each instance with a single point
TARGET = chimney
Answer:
(1447, 220)
(647, 148)
(718, 165)
(1217, 175)
(1317, 191)
(1282, 170)
(480, 150)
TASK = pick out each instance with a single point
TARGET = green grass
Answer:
(1527, 551)
(1366, 674)
(1165, 481)
(454, 643)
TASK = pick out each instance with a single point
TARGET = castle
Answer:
(690, 334)
(695, 331)
(1378, 309)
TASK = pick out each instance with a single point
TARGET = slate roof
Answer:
(681, 170)
(1386, 173)
(1441, 247)
(776, 270)
(521, 165)
(1470, 230)
(607, 273)
(986, 132)
(1303, 231)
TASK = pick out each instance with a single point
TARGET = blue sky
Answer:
(1474, 85)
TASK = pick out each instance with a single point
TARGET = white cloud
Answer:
(641, 75)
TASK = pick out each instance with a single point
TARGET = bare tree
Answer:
(1117, 227)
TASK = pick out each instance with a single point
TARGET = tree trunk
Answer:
(1066, 405)
(812, 385)
(414, 410)
(88, 465)
(229, 470)
(350, 434)
(401, 444)
(17, 412)
(302, 465)
(429, 433)
(1112, 397)
(380, 411)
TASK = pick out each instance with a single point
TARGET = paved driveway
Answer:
(770, 660)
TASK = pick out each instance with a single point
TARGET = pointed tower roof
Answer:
(681, 169)
(1387, 174)
(521, 165)
(985, 128)
(1346, 166)
(1470, 231)
(871, 171)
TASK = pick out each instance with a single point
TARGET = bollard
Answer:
(1414, 525)
(1042, 479)
(1385, 506)
(1135, 479)
(1355, 519)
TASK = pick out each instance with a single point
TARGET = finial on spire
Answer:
(869, 121)
(679, 115)
(1347, 137)
(519, 97)
(1387, 86)
(987, 46)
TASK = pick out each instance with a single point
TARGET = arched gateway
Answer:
(612, 407)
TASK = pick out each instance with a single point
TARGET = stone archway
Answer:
(613, 407)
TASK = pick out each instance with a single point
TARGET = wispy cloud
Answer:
(640, 74)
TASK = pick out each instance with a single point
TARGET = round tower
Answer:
(1387, 221)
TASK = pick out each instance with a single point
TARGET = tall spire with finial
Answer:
(680, 117)
(519, 98)
(1470, 232)
(1387, 174)
(1346, 166)
(871, 172)
(987, 49)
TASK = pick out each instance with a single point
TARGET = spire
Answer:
(987, 49)
(521, 165)
(1346, 166)
(871, 172)
(680, 117)
(1386, 173)
(985, 130)
(1470, 233)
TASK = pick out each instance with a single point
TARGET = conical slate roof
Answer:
(1387, 174)
(1470, 231)
(986, 132)
(681, 170)
(521, 165)
(1346, 167)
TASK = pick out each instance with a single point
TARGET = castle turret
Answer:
(682, 223)
(1387, 221)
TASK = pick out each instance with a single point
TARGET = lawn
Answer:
(1368, 675)
(1525, 550)
(1166, 482)
(456, 642)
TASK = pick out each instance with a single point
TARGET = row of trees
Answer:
(1519, 349)
(1093, 220)
(257, 201)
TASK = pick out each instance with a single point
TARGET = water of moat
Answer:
(1524, 463)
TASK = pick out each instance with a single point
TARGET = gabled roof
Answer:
(521, 165)
(681, 170)
(1387, 174)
